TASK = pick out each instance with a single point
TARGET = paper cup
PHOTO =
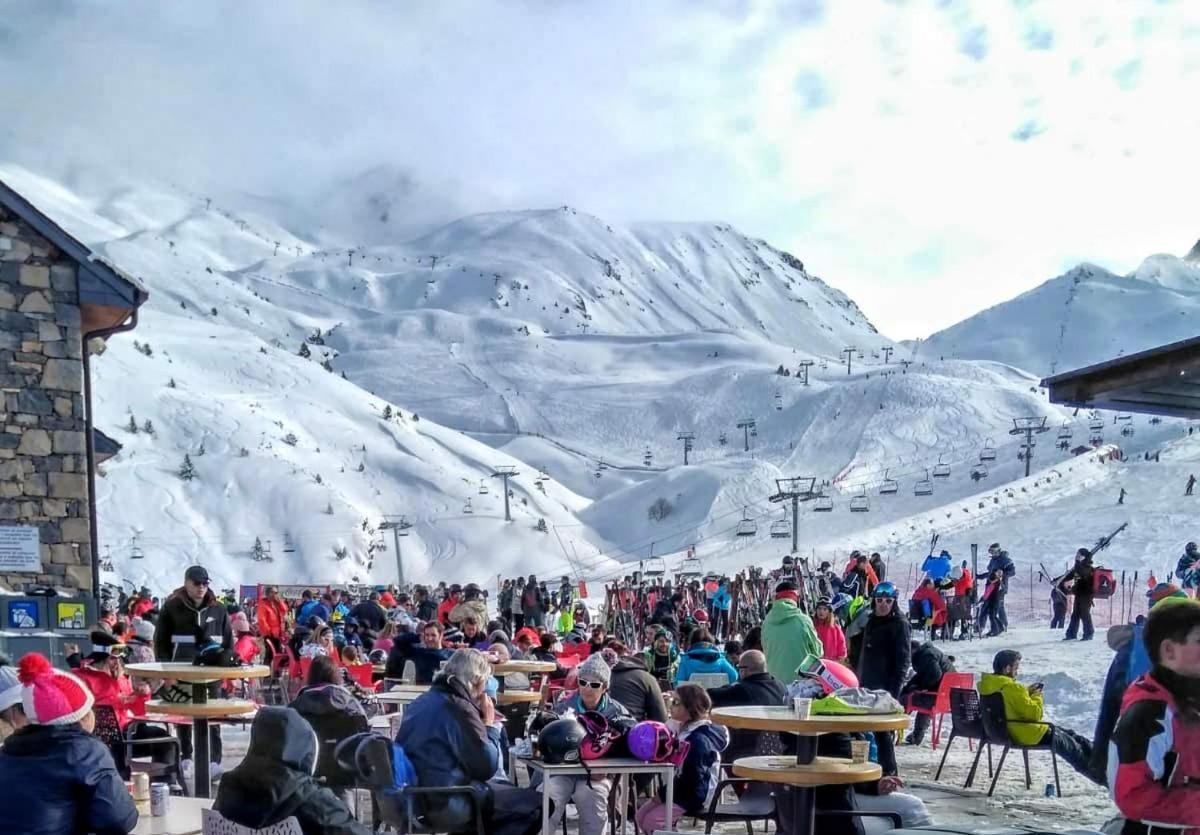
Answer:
(859, 750)
(802, 707)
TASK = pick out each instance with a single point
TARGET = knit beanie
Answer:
(1165, 591)
(143, 630)
(10, 687)
(595, 668)
(239, 623)
(50, 696)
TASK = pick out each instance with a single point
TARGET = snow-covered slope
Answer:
(1082, 317)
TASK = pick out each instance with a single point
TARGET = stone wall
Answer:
(43, 458)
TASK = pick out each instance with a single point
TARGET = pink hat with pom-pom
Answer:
(50, 696)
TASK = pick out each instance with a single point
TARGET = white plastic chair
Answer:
(216, 824)
(709, 680)
(409, 675)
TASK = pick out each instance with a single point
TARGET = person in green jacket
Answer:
(1024, 707)
(788, 635)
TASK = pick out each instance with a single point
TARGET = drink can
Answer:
(160, 797)
(1051, 790)
(141, 786)
(129, 787)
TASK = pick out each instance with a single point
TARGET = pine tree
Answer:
(186, 471)
(304, 352)
(132, 427)
(243, 453)
(317, 478)
(416, 417)
(148, 427)
(200, 451)
(387, 412)
(171, 383)
(327, 365)
(329, 509)
(361, 467)
(289, 439)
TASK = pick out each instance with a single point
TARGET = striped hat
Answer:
(50, 696)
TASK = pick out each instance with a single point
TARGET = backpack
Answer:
(1103, 585)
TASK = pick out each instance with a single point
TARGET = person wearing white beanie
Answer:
(55, 777)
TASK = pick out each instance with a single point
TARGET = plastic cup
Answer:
(802, 707)
(859, 750)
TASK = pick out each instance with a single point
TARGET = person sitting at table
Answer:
(275, 780)
(634, 687)
(703, 657)
(756, 686)
(662, 657)
(429, 654)
(452, 738)
(472, 634)
(697, 776)
(387, 637)
(589, 793)
(321, 643)
(245, 645)
(545, 654)
(55, 777)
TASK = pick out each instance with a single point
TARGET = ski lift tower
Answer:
(399, 526)
(803, 369)
(1028, 426)
(849, 351)
(796, 489)
(505, 472)
(747, 424)
(687, 438)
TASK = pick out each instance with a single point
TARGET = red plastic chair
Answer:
(941, 703)
(362, 674)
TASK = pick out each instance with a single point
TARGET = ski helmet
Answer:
(831, 675)
(600, 735)
(700, 616)
(885, 589)
(651, 741)
(560, 741)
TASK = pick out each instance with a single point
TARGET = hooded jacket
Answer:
(886, 653)
(475, 607)
(1002, 562)
(60, 780)
(833, 639)
(929, 665)
(703, 657)
(333, 713)
(787, 636)
(272, 619)
(697, 777)
(1019, 704)
(445, 739)
(183, 624)
(634, 687)
(275, 781)
(1154, 756)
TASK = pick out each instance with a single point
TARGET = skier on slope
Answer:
(1188, 567)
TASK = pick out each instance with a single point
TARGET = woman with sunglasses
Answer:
(588, 793)
(886, 655)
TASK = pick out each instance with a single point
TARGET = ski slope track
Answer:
(319, 386)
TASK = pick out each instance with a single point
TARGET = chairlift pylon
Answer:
(942, 470)
(747, 527)
(988, 453)
(889, 485)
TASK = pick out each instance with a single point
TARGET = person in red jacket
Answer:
(932, 602)
(1154, 755)
(453, 598)
(272, 620)
(833, 639)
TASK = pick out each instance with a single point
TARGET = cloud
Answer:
(880, 147)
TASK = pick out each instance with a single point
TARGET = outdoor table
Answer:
(201, 709)
(184, 817)
(402, 694)
(807, 771)
(505, 667)
(622, 767)
(518, 697)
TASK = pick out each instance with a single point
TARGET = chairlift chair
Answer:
(988, 453)
(753, 432)
(942, 470)
(781, 528)
(860, 503)
(136, 553)
(289, 547)
(1096, 423)
(1124, 417)
(979, 471)
(467, 507)
(1064, 432)
(1127, 430)
(924, 487)
(823, 504)
(747, 527)
(889, 485)
(654, 567)
(483, 488)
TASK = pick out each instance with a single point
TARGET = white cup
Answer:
(802, 707)
(859, 750)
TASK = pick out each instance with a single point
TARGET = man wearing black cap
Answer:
(192, 616)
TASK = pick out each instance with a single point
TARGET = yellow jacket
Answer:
(1019, 704)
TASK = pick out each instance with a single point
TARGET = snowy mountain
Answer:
(1082, 317)
(321, 387)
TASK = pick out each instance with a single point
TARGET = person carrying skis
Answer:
(999, 568)
(859, 578)
(1060, 590)
(1188, 567)
(1083, 577)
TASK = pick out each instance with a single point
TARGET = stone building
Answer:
(56, 298)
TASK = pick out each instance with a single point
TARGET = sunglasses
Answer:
(882, 599)
(595, 685)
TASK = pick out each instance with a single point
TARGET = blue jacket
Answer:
(59, 780)
(1002, 562)
(722, 599)
(938, 568)
(704, 658)
(696, 778)
(445, 739)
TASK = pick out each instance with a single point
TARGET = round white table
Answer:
(184, 817)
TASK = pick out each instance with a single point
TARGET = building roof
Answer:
(104, 446)
(100, 282)
(1161, 381)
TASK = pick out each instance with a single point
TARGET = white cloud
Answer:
(929, 158)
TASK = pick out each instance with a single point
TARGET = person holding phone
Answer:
(1024, 704)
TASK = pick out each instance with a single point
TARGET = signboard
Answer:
(23, 614)
(70, 615)
(20, 548)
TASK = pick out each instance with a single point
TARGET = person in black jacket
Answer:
(426, 608)
(275, 780)
(1084, 590)
(929, 665)
(192, 616)
(371, 618)
(754, 687)
(55, 777)
(883, 664)
(634, 687)
(334, 714)
(1001, 567)
(427, 655)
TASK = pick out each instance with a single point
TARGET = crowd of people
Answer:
(671, 677)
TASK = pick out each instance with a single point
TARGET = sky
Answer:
(930, 158)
